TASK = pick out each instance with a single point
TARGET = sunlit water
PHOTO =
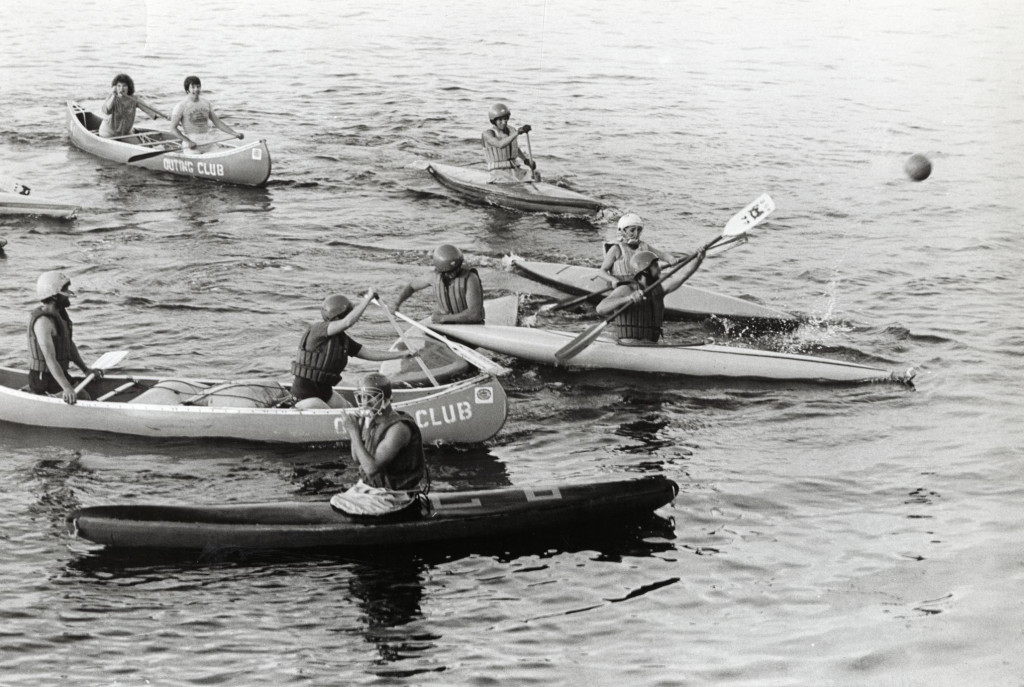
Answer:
(823, 535)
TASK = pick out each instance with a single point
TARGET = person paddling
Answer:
(615, 267)
(324, 351)
(642, 321)
(457, 287)
(194, 118)
(501, 148)
(51, 347)
(120, 107)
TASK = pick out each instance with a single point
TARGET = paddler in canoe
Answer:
(50, 345)
(324, 351)
(457, 287)
(641, 322)
(388, 448)
(120, 107)
(501, 149)
(617, 256)
(194, 118)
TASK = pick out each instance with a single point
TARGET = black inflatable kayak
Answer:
(453, 516)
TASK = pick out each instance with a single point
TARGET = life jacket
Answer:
(451, 292)
(325, 362)
(407, 471)
(503, 157)
(61, 341)
(621, 268)
(643, 320)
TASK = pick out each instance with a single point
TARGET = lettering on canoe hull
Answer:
(439, 416)
(202, 168)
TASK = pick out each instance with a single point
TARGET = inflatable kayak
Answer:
(701, 360)
(450, 516)
(528, 196)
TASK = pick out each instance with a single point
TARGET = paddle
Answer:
(741, 223)
(145, 156)
(106, 361)
(472, 357)
(529, 149)
(401, 335)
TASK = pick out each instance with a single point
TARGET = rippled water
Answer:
(823, 535)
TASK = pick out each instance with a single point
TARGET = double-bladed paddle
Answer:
(105, 362)
(741, 223)
(472, 357)
(401, 335)
(146, 156)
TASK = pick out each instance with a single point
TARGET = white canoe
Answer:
(469, 412)
(528, 196)
(17, 204)
(230, 162)
(703, 360)
(686, 302)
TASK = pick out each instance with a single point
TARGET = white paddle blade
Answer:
(109, 359)
(750, 216)
(472, 357)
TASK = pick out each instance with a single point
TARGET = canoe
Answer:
(229, 162)
(528, 196)
(452, 516)
(17, 204)
(699, 360)
(470, 411)
(686, 302)
(439, 359)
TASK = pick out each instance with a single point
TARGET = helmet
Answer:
(641, 260)
(447, 258)
(335, 306)
(498, 110)
(51, 283)
(374, 393)
(630, 219)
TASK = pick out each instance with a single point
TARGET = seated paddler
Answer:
(501, 148)
(388, 448)
(324, 351)
(618, 254)
(641, 321)
(458, 292)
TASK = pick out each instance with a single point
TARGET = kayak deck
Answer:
(527, 196)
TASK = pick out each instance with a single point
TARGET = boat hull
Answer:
(227, 162)
(466, 412)
(686, 302)
(526, 196)
(705, 360)
(17, 204)
(452, 516)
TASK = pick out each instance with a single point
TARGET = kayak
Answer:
(686, 302)
(695, 360)
(439, 359)
(451, 516)
(528, 196)
(229, 162)
(466, 412)
(17, 204)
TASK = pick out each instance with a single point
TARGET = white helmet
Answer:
(51, 283)
(630, 219)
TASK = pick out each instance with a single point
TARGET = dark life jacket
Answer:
(643, 320)
(407, 471)
(451, 291)
(61, 341)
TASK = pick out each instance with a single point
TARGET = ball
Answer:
(917, 167)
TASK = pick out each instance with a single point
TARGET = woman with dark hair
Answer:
(120, 108)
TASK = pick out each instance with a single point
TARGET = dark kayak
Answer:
(528, 196)
(453, 516)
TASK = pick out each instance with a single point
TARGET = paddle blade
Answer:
(574, 347)
(109, 359)
(146, 156)
(750, 216)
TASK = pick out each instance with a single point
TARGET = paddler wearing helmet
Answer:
(458, 291)
(324, 351)
(51, 348)
(501, 148)
(627, 243)
(641, 322)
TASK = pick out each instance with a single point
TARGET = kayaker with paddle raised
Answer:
(457, 287)
(194, 118)
(120, 108)
(388, 447)
(324, 352)
(641, 322)
(51, 348)
(502, 149)
(618, 255)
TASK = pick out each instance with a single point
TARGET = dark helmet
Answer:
(374, 392)
(641, 260)
(498, 110)
(447, 258)
(335, 306)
